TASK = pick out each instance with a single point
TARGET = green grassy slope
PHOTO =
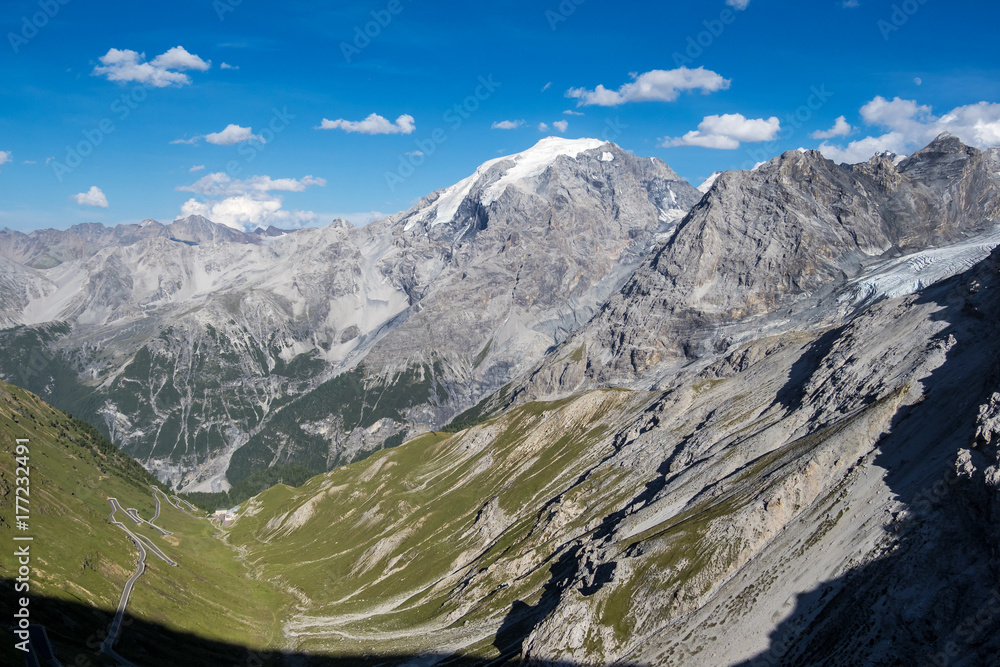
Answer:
(428, 546)
(79, 557)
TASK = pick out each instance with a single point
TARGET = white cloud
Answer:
(862, 149)
(166, 69)
(738, 4)
(228, 66)
(197, 167)
(179, 59)
(543, 127)
(908, 126)
(233, 134)
(546, 86)
(373, 124)
(414, 153)
(561, 125)
(850, 4)
(245, 204)
(92, 197)
(727, 131)
(28, 162)
(657, 85)
(4, 157)
(841, 128)
(897, 113)
(220, 184)
(570, 112)
(507, 124)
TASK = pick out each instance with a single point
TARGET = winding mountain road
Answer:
(156, 514)
(116, 625)
(175, 505)
(142, 543)
(145, 540)
(40, 648)
(190, 506)
(134, 515)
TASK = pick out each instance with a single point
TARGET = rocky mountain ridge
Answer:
(186, 339)
(798, 242)
(823, 497)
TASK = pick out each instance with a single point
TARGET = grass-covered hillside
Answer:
(80, 561)
(432, 545)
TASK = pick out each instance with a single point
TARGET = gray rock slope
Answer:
(823, 496)
(821, 501)
(186, 340)
(795, 242)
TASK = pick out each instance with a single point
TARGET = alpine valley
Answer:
(568, 411)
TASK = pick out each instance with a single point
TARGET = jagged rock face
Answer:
(532, 265)
(186, 346)
(499, 269)
(192, 335)
(766, 245)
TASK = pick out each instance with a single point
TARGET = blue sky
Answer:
(115, 112)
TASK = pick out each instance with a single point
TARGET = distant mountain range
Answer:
(203, 349)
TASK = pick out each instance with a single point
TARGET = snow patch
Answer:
(672, 214)
(607, 157)
(708, 182)
(912, 273)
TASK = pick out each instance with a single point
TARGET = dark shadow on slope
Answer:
(523, 618)
(76, 632)
(791, 395)
(933, 598)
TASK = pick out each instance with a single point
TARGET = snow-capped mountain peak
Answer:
(526, 164)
